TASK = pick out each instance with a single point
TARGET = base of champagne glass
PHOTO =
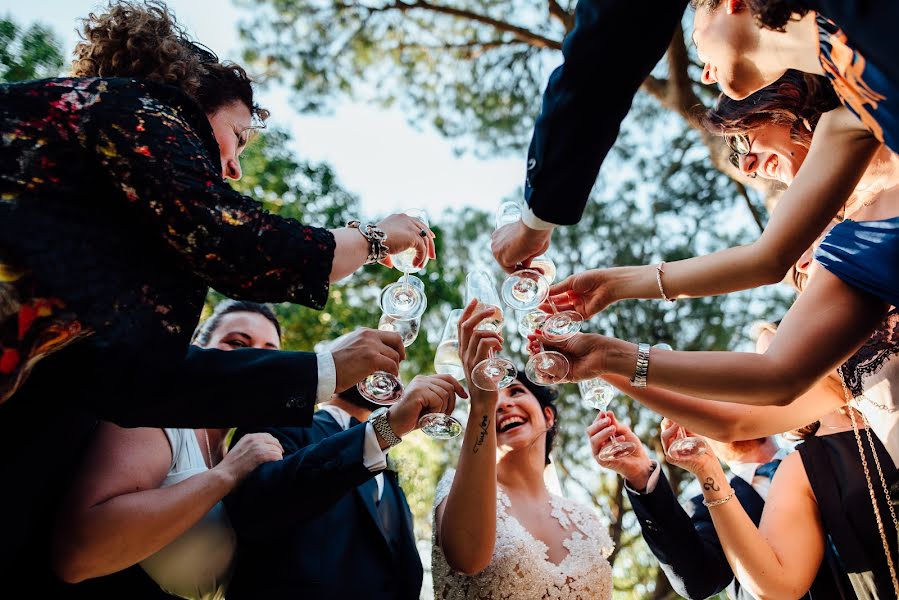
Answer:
(616, 450)
(687, 446)
(440, 426)
(381, 388)
(403, 300)
(562, 326)
(547, 368)
(530, 321)
(493, 374)
(525, 289)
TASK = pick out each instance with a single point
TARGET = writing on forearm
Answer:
(485, 422)
(710, 485)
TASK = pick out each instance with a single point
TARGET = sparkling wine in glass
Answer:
(403, 261)
(407, 328)
(447, 361)
(685, 446)
(547, 367)
(494, 372)
(405, 298)
(382, 387)
(597, 394)
(561, 326)
(525, 288)
(546, 265)
(529, 321)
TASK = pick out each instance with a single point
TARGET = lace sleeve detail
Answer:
(164, 173)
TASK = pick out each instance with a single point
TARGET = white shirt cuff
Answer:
(373, 458)
(650, 483)
(327, 377)
(533, 221)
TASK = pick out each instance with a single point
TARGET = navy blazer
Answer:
(612, 48)
(308, 526)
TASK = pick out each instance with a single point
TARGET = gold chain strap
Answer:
(886, 491)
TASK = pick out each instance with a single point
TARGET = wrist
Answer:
(638, 478)
(619, 358)
(224, 476)
(634, 282)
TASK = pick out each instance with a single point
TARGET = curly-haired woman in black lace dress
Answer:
(115, 219)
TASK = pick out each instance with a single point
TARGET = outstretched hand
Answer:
(697, 463)
(585, 353)
(587, 293)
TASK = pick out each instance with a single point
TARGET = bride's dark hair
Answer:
(547, 397)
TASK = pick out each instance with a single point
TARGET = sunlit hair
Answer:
(546, 396)
(796, 100)
(204, 331)
(770, 14)
(144, 41)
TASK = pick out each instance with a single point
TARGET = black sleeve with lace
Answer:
(156, 158)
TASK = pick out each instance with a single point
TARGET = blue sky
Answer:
(377, 155)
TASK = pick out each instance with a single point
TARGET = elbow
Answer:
(68, 568)
(469, 563)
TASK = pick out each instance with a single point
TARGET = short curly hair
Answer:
(770, 14)
(144, 41)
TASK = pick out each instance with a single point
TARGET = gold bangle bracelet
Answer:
(659, 271)
(719, 501)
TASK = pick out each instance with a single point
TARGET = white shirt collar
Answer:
(746, 471)
(341, 416)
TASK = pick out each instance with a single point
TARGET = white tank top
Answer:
(197, 565)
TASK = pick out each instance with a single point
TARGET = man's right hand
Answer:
(635, 468)
(361, 353)
(249, 452)
(425, 394)
(516, 244)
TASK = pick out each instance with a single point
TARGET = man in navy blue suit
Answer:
(683, 538)
(330, 520)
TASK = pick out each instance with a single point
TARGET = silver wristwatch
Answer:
(378, 420)
(642, 370)
(376, 237)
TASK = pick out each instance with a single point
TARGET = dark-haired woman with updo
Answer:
(115, 220)
(498, 531)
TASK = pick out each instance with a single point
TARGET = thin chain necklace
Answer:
(883, 484)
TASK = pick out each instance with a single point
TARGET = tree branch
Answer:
(560, 14)
(520, 33)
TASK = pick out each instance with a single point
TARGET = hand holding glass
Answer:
(597, 394)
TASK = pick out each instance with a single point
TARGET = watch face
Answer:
(377, 413)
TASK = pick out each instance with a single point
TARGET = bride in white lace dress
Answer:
(498, 532)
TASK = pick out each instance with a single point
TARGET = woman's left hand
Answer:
(698, 464)
(585, 353)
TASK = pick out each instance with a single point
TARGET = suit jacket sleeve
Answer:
(209, 388)
(612, 48)
(306, 483)
(687, 547)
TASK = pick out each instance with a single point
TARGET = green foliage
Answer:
(32, 53)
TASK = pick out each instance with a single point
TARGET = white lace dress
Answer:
(520, 568)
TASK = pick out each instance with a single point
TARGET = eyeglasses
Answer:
(741, 145)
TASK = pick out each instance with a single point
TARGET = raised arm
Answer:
(116, 514)
(827, 324)
(781, 557)
(466, 520)
(838, 157)
(729, 422)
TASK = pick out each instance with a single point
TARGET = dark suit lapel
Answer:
(366, 493)
(408, 530)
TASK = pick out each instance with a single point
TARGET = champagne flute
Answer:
(547, 367)
(597, 394)
(525, 288)
(382, 387)
(405, 298)
(561, 326)
(446, 361)
(494, 372)
(546, 265)
(529, 321)
(400, 299)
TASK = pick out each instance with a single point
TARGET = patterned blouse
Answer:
(115, 220)
(863, 87)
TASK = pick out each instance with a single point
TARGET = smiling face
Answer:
(520, 420)
(773, 154)
(727, 43)
(231, 125)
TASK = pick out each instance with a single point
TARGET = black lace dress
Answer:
(114, 222)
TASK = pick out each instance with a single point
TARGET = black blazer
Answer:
(686, 544)
(315, 533)
(610, 51)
